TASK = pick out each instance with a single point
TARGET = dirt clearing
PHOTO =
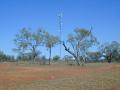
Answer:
(54, 77)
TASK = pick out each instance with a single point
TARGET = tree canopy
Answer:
(79, 43)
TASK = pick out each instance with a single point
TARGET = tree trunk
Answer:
(34, 58)
(77, 61)
(50, 56)
(33, 54)
(68, 50)
(82, 61)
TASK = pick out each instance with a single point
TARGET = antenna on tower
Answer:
(60, 30)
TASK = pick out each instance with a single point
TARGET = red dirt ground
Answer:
(14, 72)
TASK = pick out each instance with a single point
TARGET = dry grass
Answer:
(60, 77)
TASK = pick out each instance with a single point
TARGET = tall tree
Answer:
(79, 43)
(27, 41)
(50, 42)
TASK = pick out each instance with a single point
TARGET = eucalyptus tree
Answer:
(27, 41)
(50, 41)
(94, 56)
(21, 41)
(111, 51)
(78, 44)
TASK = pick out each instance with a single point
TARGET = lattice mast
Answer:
(60, 31)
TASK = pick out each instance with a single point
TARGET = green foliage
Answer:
(50, 41)
(4, 57)
(94, 56)
(79, 43)
(67, 57)
(81, 32)
(111, 51)
(82, 40)
(56, 58)
(28, 42)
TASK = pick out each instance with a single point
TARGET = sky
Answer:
(102, 15)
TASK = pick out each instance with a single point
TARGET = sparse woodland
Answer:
(77, 45)
(59, 44)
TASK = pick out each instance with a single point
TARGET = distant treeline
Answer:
(77, 45)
